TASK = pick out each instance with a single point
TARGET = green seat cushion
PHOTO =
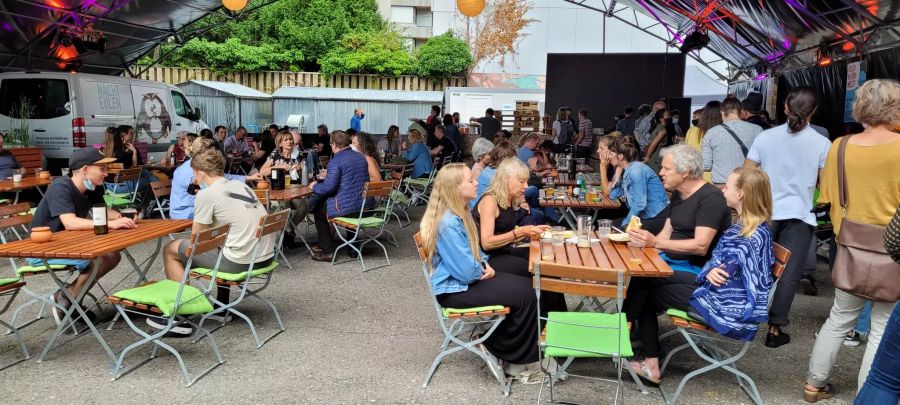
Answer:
(5, 200)
(237, 276)
(418, 182)
(399, 197)
(683, 315)
(364, 222)
(449, 311)
(162, 294)
(8, 281)
(113, 201)
(38, 269)
(567, 340)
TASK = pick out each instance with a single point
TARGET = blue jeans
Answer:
(862, 324)
(80, 265)
(883, 384)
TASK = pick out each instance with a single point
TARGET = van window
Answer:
(48, 97)
(182, 108)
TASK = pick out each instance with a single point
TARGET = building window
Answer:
(423, 17)
(403, 15)
(408, 43)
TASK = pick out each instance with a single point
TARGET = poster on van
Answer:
(153, 119)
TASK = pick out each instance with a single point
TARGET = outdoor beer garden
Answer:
(294, 224)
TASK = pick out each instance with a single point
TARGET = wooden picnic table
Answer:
(563, 179)
(567, 204)
(28, 182)
(603, 254)
(85, 245)
(580, 168)
(291, 192)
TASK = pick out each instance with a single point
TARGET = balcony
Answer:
(415, 31)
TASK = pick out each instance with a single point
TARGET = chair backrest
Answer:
(378, 189)
(14, 215)
(209, 239)
(142, 150)
(28, 158)
(407, 171)
(272, 223)
(128, 175)
(115, 166)
(579, 280)
(422, 257)
(782, 255)
(161, 189)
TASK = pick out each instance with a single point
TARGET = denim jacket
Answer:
(418, 154)
(454, 266)
(643, 190)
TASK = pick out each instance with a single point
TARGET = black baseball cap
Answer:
(87, 156)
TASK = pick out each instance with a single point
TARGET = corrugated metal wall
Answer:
(217, 110)
(255, 114)
(336, 113)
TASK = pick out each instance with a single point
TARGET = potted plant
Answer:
(17, 138)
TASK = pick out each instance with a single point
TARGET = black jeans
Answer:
(649, 295)
(795, 235)
(319, 208)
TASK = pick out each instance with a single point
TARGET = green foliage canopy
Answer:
(369, 52)
(443, 56)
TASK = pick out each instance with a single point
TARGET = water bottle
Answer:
(304, 174)
(581, 183)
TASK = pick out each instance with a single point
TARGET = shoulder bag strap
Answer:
(736, 139)
(842, 174)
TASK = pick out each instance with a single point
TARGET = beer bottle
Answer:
(98, 213)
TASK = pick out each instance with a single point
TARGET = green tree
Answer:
(233, 55)
(379, 52)
(443, 56)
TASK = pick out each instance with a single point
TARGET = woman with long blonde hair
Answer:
(461, 276)
(731, 292)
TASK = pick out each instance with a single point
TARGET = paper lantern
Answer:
(234, 5)
(470, 8)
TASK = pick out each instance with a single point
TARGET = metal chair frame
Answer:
(124, 175)
(416, 192)
(271, 224)
(161, 191)
(200, 243)
(704, 344)
(10, 291)
(460, 332)
(360, 234)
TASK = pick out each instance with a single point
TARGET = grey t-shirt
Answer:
(8, 164)
(721, 153)
(232, 202)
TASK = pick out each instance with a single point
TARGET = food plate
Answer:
(619, 237)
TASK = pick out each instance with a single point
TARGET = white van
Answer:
(73, 110)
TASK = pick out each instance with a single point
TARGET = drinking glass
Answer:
(558, 239)
(604, 226)
(37, 172)
(547, 253)
(65, 171)
(584, 230)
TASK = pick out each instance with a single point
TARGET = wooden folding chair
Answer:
(363, 229)
(460, 326)
(173, 302)
(582, 334)
(270, 226)
(161, 191)
(9, 288)
(705, 342)
(130, 176)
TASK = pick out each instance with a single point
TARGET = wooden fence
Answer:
(269, 81)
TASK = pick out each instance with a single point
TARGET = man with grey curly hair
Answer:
(697, 213)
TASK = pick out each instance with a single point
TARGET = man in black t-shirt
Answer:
(489, 124)
(444, 146)
(67, 205)
(323, 142)
(698, 214)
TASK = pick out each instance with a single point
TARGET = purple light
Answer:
(787, 43)
(674, 34)
(774, 56)
(7, 26)
(762, 76)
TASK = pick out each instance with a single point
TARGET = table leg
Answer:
(41, 192)
(569, 215)
(16, 200)
(141, 274)
(76, 307)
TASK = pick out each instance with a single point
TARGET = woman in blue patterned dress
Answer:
(731, 292)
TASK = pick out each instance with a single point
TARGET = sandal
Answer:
(644, 373)
(315, 249)
(821, 393)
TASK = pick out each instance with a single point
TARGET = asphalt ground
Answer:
(356, 338)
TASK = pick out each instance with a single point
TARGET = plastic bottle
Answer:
(304, 175)
(581, 185)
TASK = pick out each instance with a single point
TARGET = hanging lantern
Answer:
(234, 5)
(470, 8)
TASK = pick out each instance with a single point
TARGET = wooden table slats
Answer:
(604, 254)
(27, 182)
(571, 202)
(291, 192)
(580, 168)
(87, 245)
(563, 179)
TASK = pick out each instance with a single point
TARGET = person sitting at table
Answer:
(497, 214)
(462, 277)
(67, 205)
(363, 143)
(444, 147)
(220, 201)
(544, 155)
(500, 152)
(646, 197)
(391, 143)
(339, 194)
(237, 143)
(8, 162)
(527, 156)
(731, 292)
(418, 154)
(323, 141)
(283, 158)
(181, 199)
(114, 146)
(178, 148)
(481, 152)
(610, 175)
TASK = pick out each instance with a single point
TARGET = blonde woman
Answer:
(731, 292)
(282, 157)
(461, 276)
(418, 154)
(874, 193)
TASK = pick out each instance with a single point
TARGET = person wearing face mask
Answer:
(678, 135)
(661, 131)
(67, 205)
(692, 138)
(219, 202)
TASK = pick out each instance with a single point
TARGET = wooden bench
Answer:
(29, 158)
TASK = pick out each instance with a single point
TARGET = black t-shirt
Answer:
(123, 156)
(707, 208)
(489, 127)
(63, 198)
(449, 148)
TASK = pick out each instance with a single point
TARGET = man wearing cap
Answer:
(751, 106)
(67, 205)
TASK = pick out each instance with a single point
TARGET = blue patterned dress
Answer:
(735, 309)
